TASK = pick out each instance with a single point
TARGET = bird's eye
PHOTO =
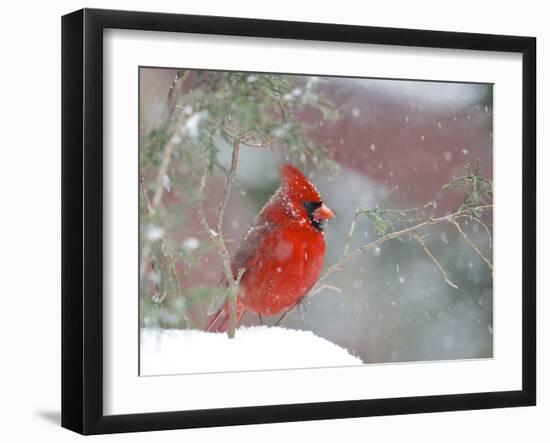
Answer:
(310, 208)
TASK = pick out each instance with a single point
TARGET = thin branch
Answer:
(364, 249)
(472, 244)
(358, 212)
(483, 224)
(247, 139)
(229, 179)
(409, 231)
(174, 139)
(216, 236)
(320, 288)
(351, 229)
(166, 257)
(171, 266)
(163, 169)
(284, 111)
(232, 296)
(147, 246)
(263, 144)
(174, 93)
(148, 207)
(422, 243)
(285, 314)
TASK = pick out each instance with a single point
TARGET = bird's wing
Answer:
(247, 253)
(245, 258)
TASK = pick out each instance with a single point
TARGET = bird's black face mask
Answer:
(310, 208)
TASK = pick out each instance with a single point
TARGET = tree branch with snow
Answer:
(206, 113)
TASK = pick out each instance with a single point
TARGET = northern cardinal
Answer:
(282, 253)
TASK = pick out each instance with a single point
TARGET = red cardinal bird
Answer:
(282, 253)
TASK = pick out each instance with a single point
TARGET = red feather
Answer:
(282, 254)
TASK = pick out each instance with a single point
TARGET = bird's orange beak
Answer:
(323, 213)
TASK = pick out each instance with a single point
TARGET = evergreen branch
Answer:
(166, 257)
(396, 234)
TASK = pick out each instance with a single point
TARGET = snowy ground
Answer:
(254, 348)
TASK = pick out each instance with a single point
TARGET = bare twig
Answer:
(171, 264)
(483, 224)
(364, 249)
(422, 243)
(248, 139)
(166, 159)
(263, 144)
(148, 207)
(175, 91)
(147, 246)
(214, 236)
(229, 179)
(285, 314)
(217, 236)
(351, 229)
(174, 139)
(472, 244)
(232, 300)
(320, 288)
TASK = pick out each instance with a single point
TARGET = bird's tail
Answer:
(219, 322)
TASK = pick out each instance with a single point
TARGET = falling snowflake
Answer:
(192, 125)
(154, 277)
(167, 183)
(153, 232)
(190, 244)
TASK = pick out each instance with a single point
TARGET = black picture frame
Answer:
(82, 220)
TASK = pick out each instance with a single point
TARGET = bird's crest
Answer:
(297, 185)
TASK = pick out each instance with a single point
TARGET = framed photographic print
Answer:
(273, 221)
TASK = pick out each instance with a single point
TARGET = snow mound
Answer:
(171, 351)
